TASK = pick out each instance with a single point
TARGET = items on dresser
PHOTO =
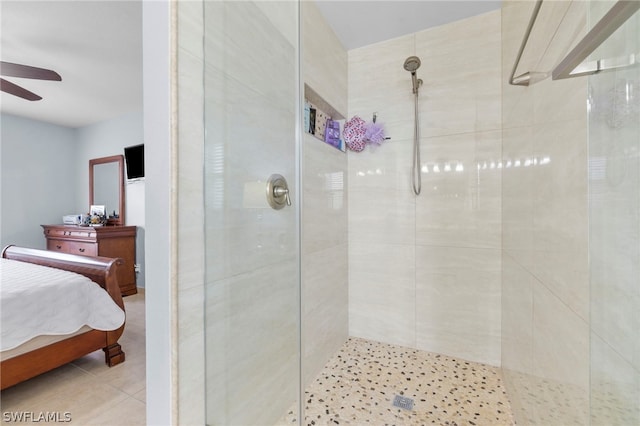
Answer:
(72, 219)
(107, 241)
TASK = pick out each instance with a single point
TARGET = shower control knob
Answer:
(278, 192)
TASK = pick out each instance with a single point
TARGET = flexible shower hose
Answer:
(415, 169)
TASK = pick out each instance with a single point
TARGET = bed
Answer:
(45, 353)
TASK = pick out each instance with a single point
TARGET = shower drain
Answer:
(403, 402)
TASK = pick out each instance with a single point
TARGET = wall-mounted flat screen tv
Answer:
(134, 159)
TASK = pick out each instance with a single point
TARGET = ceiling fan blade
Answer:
(26, 71)
(13, 89)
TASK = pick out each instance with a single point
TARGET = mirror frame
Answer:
(113, 159)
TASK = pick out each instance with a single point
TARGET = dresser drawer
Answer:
(72, 247)
(71, 233)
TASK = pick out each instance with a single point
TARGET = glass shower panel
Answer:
(614, 240)
(251, 81)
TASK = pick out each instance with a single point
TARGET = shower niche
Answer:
(320, 114)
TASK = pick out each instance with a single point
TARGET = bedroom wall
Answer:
(104, 139)
(35, 160)
(37, 187)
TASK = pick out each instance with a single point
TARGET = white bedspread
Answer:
(37, 300)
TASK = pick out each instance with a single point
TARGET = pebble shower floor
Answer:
(358, 386)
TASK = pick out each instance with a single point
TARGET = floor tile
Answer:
(88, 390)
(359, 384)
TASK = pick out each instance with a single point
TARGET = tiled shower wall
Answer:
(424, 271)
(545, 283)
(614, 225)
(324, 264)
(325, 319)
(252, 261)
(190, 351)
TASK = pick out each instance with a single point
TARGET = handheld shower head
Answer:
(411, 64)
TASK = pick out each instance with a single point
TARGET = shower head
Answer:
(411, 64)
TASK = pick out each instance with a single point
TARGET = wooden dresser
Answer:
(107, 241)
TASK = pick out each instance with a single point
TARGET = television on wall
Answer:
(134, 160)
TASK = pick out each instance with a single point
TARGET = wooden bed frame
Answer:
(99, 269)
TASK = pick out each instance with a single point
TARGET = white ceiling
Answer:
(96, 46)
(359, 23)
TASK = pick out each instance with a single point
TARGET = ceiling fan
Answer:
(24, 71)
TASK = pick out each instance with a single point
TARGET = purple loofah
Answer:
(353, 133)
(374, 133)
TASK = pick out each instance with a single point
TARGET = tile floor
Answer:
(358, 386)
(91, 392)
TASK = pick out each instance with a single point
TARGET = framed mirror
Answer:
(106, 187)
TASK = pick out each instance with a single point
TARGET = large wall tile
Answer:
(251, 345)
(281, 15)
(517, 338)
(518, 187)
(517, 317)
(389, 75)
(381, 205)
(615, 386)
(252, 270)
(560, 360)
(324, 215)
(614, 195)
(190, 238)
(614, 232)
(382, 292)
(324, 210)
(460, 202)
(243, 234)
(378, 83)
(560, 244)
(190, 31)
(325, 293)
(243, 42)
(458, 302)
(545, 223)
(459, 207)
(568, 97)
(461, 73)
(559, 25)
(190, 221)
(324, 58)
(517, 108)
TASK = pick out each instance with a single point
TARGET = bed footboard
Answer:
(102, 270)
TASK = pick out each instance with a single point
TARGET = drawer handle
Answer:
(58, 247)
(81, 250)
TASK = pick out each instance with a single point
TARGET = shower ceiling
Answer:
(358, 23)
